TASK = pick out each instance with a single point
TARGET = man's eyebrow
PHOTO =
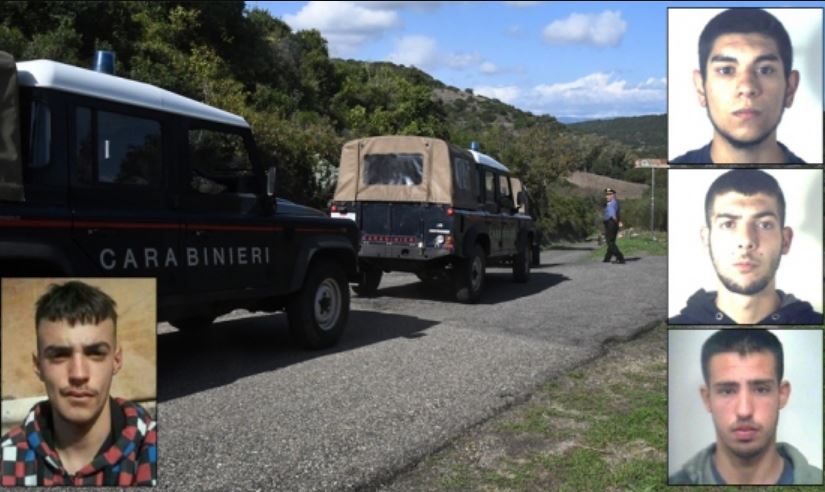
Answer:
(733, 59)
(59, 349)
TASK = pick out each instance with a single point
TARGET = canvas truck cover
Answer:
(11, 170)
(396, 169)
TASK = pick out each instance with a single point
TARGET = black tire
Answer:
(469, 276)
(318, 313)
(370, 279)
(193, 324)
(521, 264)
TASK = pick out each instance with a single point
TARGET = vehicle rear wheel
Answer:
(370, 279)
(469, 276)
(318, 313)
(521, 265)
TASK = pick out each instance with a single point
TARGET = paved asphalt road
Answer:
(242, 408)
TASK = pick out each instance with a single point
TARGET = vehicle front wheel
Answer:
(370, 279)
(521, 265)
(318, 313)
(469, 276)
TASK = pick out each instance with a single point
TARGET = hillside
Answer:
(302, 104)
(647, 135)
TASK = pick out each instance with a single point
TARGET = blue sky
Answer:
(567, 59)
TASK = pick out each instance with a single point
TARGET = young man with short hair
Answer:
(746, 236)
(80, 435)
(745, 81)
(744, 392)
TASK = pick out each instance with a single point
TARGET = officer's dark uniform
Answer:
(611, 227)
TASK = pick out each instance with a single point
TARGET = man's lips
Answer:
(745, 432)
(78, 394)
(747, 113)
(744, 266)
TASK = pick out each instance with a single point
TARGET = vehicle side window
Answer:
(393, 169)
(117, 149)
(505, 197)
(219, 162)
(489, 187)
(36, 134)
(463, 170)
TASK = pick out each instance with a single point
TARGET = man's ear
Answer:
(704, 233)
(118, 360)
(705, 392)
(790, 90)
(784, 393)
(787, 238)
(36, 364)
(700, 88)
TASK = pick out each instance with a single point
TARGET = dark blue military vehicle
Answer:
(104, 176)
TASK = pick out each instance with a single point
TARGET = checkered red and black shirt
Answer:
(28, 459)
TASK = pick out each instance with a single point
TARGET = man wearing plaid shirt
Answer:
(80, 435)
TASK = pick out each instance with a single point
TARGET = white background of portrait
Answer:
(689, 265)
(688, 124)
(690, 426)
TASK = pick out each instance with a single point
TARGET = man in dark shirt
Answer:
(745, 82)
(746, 237)
(612, 223)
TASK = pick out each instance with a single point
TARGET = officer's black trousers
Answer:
(611, 230)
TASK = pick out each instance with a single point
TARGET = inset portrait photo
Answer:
(745, 86)
(78, 382)
(745, 407)
(745, 246)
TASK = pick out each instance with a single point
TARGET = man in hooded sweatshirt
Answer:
(744, 392)
(746, 236)
(80, 435)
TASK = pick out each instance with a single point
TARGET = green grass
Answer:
(633, 246)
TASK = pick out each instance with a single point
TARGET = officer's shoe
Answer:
(618, 262)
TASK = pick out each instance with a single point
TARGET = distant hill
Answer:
(589, 184)
(647, 135)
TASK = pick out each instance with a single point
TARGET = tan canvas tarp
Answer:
(11, 171)
(436, 182)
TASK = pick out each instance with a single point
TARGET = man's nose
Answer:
(744, 405)
(748, 238)
(748, 83)
(78, 369)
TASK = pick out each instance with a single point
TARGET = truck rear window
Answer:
(393, 169)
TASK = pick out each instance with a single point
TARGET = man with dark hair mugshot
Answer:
(745, 81)
(744, 391)
(746, 236)
(80, 435)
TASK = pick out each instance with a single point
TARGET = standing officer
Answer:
(611, 226)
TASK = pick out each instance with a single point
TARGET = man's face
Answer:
(745, 90)
(744, 398)
(609, 196)
(76, 364)
(746, 241)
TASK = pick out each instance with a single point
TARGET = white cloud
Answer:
(507, 94)
(605, 29)
(598, 94)
(345, 25)
(513, 31)
(488, 68)
(522, 4)
(423, 52)
(401, 5)
(419, 51)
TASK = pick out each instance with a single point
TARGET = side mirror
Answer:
(521, 198)
(270, 181)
